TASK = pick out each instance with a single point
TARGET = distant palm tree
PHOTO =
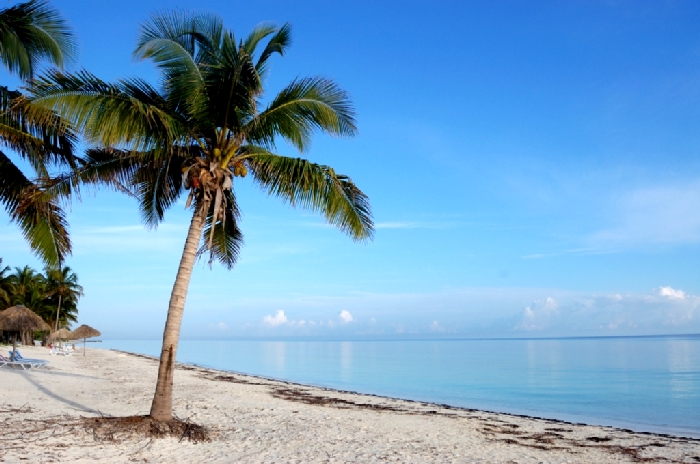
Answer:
(204, 128)
(25, 283)
(29, 290)
(30, 33)
(5, 287)
(62, 287)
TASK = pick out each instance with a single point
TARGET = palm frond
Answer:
(303, 106)
(35, 134)
(40, 218)
(100, 167)
(277, 44)
(227, 238)
(175, 26)
(31, 32)
(128, 114)
(316, 187)
(159, 185)
(171, 41)
(12, 183)
(232, 84)
(256, 35)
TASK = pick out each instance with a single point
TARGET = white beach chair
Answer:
(26, 364)
(58, 351)
(19, 357)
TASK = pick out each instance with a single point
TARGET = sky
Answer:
(532, 167)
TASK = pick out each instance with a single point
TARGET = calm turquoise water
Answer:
(643, 383)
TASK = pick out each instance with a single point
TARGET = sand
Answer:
(256, 420)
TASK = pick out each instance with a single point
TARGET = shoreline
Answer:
(423, 403)
(250, 419)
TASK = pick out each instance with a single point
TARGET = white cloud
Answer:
(665, 310)
(671, 293)
(345, 316)
(537, 316)
(482, 312)
(436, 327)
(278, 319)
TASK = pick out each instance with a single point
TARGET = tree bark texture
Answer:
(162, 406)
(58, 312)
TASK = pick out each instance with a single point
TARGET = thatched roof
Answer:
(19, 318)
(85, 331)
(63, 334)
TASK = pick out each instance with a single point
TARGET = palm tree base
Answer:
(115, 428)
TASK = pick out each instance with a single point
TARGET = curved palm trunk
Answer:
(58, 312)
(162, 406)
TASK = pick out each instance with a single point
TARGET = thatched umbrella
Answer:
(84, 332)
(18, 319)
(63, 334)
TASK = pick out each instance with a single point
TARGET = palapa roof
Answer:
(63, 334)
(19, 318)
(85, 331)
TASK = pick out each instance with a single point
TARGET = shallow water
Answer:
(643, 383)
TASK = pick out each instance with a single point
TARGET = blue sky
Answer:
(533, 170)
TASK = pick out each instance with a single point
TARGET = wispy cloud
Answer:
(660, 215)
(664, 310)
(220, 326)
(128, 238)
(575, 251)
(415, 225)
(468, 312)
(11, 238)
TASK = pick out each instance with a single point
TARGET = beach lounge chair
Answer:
(26, 365)
(58, 351)
(19, 357)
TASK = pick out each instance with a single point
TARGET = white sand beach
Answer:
(254, 420)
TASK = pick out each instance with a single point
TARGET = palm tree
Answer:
(29, 290)
(62, 287)
(30, 33)
(205, 127)
(5, 287)
(26, 284)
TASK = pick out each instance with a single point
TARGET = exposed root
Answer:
(117, 428)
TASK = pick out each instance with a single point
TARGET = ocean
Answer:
(647, 384)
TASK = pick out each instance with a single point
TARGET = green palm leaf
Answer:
(159, 186)
(318, 188)
(40, 218)
(31, 32)
(277, 44)
(35, 134)
(303, 106)
(227, 238)
(129, 114)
